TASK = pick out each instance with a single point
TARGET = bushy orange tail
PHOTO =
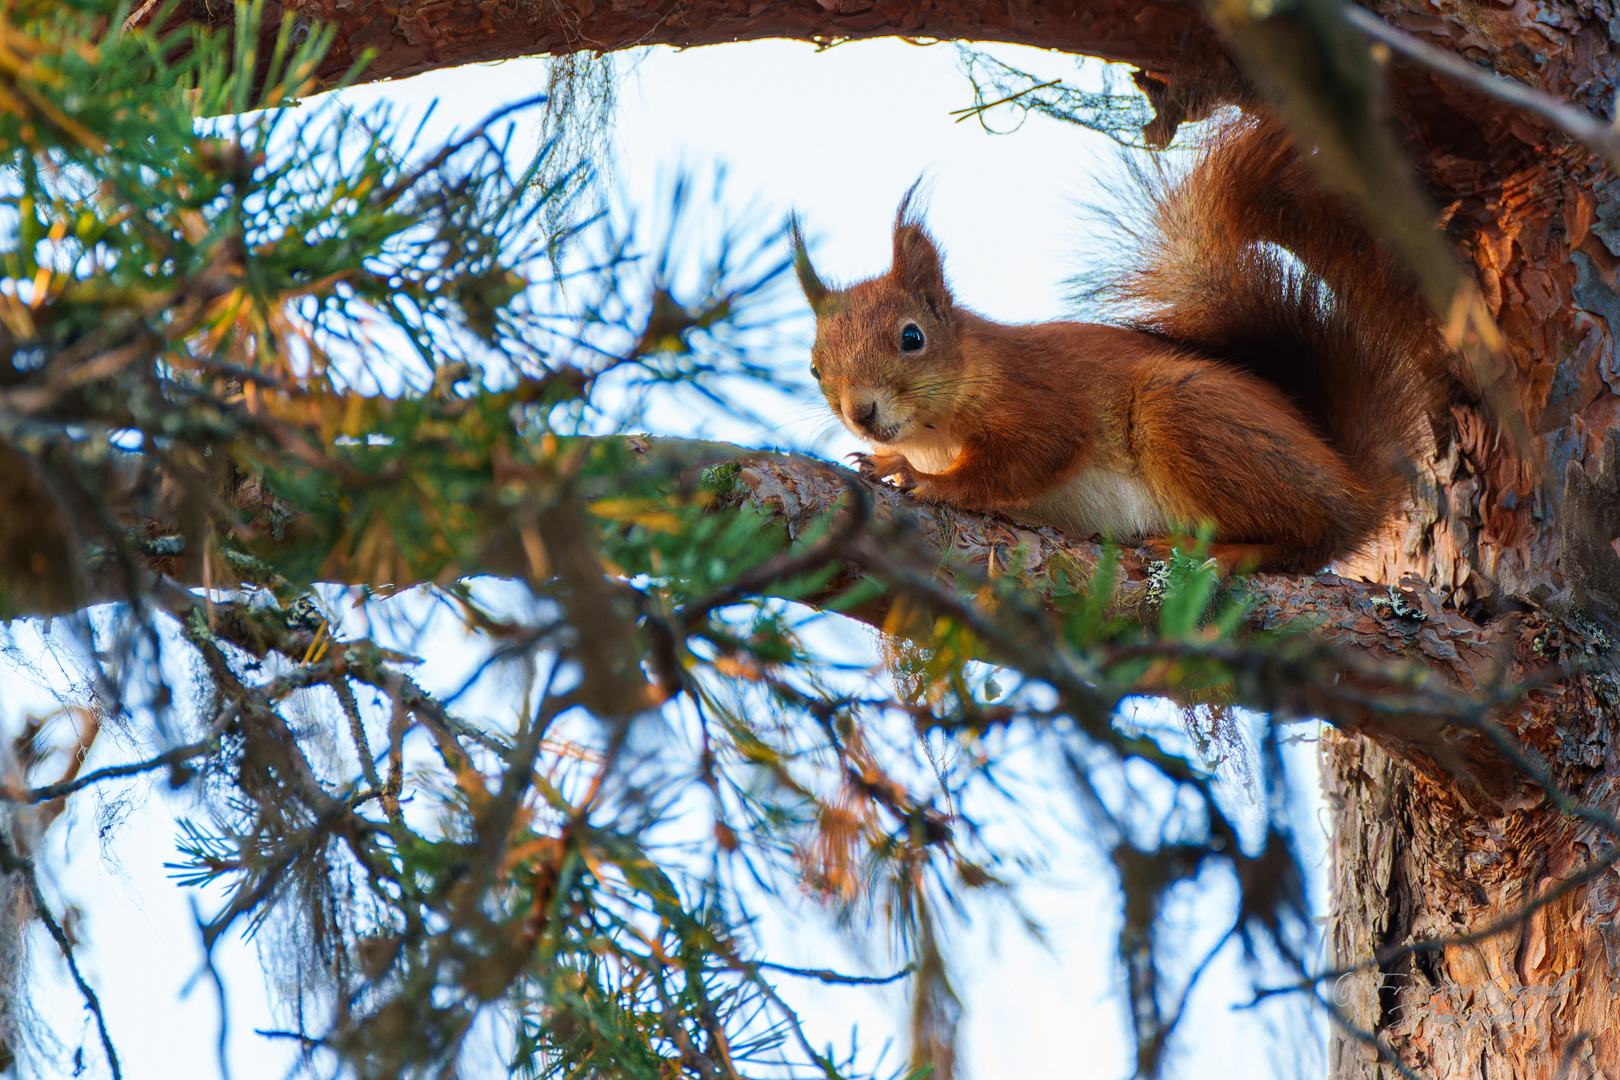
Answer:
(1244, 259)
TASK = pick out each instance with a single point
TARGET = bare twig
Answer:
(502, 810)
(178, 755)
(357, 731)
(822, 1061)
(11, 862)
(1561, 799)
(1370, 1039)
(308, 1042)
(1501, 926)
(398, 725)
(219, 988)
(979, 110)
(828, 976)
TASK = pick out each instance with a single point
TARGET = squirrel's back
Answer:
(1244, 259)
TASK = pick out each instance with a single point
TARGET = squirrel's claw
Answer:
(878, 467)
(866, 465)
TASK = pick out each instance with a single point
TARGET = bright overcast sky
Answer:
(839, 135)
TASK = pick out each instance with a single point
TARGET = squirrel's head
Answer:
(886, 354)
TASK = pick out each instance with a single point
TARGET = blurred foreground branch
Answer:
(1382, 635)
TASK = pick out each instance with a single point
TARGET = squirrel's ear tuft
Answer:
(814, 290)
(917, 265)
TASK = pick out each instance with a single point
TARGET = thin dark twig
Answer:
(1490, 930)
(219, 988)
(273, 1033)
(1598, 135)
(357, 731)
(1474, 937)
(828, 976)
(823, 1062)
(1508, 744)
(1090, 705)
(1509, 748)
(398, 727)
(1192, 982)
(502, 811)
(11, 862)
(176, 756)
(971, 110)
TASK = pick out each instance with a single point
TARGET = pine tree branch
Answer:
(1154, 35)
(1367, 629)
(1363, 628)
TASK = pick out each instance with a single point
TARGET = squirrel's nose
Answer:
(862, 413)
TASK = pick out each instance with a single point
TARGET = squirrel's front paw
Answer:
(878, 467)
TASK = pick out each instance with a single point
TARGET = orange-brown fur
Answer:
(1277, 398)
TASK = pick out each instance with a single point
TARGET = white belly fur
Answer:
(1097, 501)
(1101, 501)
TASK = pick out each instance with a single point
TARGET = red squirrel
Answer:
(1278, 397)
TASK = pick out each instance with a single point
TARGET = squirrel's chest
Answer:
(930, 450)
(1102, 501)
(1097, 501)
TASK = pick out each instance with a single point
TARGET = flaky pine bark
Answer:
(1415, 858)
(1512, 547)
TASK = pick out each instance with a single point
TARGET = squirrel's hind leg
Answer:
(1218, 445)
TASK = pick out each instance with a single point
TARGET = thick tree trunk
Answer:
(1414, 859)
(1422, 848)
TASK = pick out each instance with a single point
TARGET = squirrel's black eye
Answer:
(815, 373)
(911, 338)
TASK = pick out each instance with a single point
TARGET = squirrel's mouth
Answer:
(881, 433)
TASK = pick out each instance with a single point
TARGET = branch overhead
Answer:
(410, 39)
